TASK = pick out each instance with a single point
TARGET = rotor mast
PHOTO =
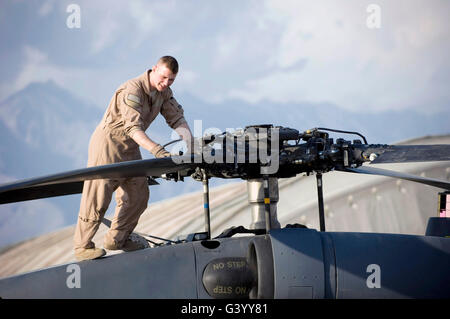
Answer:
(263, 202)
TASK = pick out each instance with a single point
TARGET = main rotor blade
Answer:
(405, 176)
(71, 182)
(44, 191)
(410, 153)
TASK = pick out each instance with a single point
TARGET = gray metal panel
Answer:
(298, 263)
(329, 263)
(404, 266)
(164, 272)
(229, 247)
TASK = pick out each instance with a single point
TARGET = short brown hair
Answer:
(170, 62)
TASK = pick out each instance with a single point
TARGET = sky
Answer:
(363, 56)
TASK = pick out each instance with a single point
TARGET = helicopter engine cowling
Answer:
(342, 265)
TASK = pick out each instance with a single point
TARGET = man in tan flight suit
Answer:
(117, 138)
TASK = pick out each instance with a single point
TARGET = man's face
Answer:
(162, 77)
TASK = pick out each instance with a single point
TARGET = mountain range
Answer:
(45, 129)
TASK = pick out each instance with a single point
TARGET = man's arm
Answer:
(144, 141)
(185, 133)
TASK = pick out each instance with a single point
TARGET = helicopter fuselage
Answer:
(286, 263)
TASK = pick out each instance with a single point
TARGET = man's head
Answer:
(164, 73)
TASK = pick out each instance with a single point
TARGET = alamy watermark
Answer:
(73, 21)
(374, 279)
(373, 21)
(263, 147)
(74, 279)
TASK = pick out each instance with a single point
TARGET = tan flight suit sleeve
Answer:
(131, 107)
(172, 112)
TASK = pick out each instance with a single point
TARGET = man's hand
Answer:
(159, 151)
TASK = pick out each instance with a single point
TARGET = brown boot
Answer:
(89, 253)
(128, 245)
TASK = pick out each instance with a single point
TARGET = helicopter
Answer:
(265, 261)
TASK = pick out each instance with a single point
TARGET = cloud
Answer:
(37, 67)
(46, 8)
(115, 25)
(349, 64)
(34, 68)
(281, 51)
(147, 19)
(107, 30)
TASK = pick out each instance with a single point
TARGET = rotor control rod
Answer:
(320, 200)
(206, 203)
(267, 202)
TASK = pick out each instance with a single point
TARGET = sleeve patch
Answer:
(133, 100)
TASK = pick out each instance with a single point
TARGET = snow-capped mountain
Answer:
(44, 130)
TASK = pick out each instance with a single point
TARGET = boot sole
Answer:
(100, 254)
